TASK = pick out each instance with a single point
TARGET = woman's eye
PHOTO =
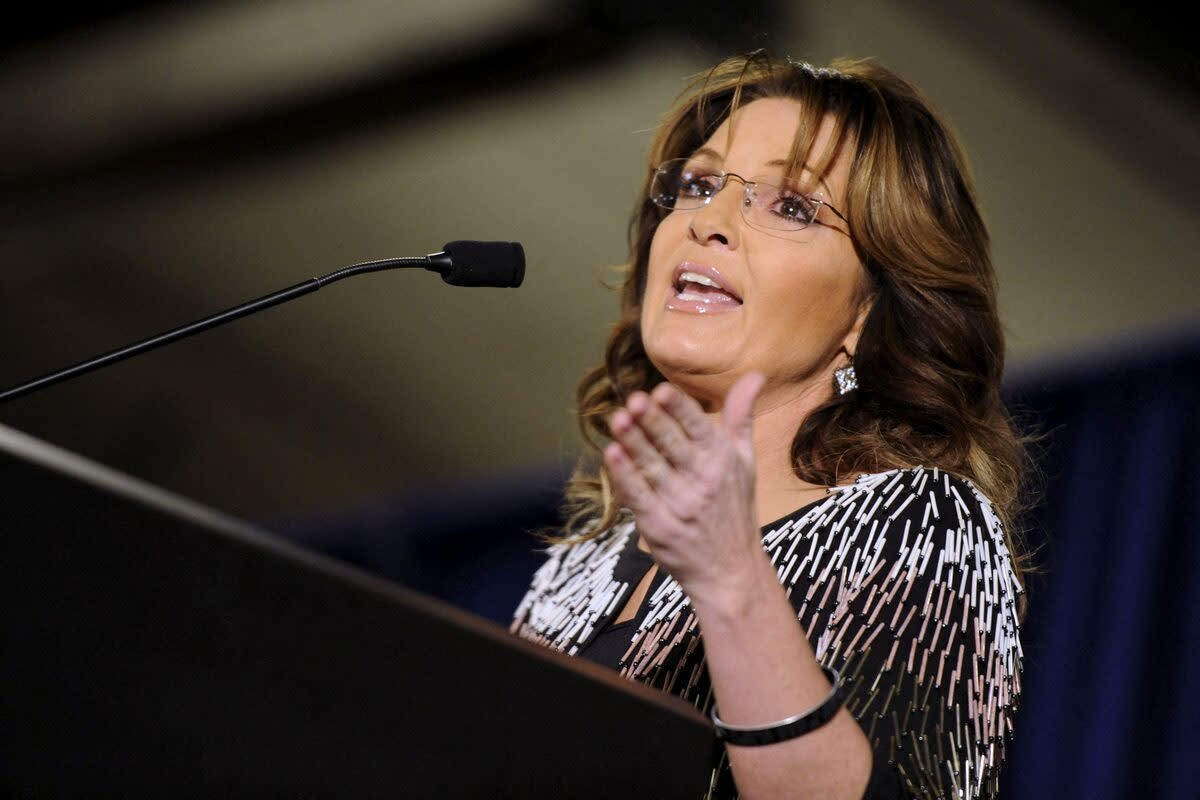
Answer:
(695, 185)
(794, 206)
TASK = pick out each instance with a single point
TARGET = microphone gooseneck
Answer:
(463, 263)
(372, 266)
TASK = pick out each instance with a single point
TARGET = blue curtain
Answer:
(1111, 700)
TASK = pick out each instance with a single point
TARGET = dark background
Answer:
(160, 161)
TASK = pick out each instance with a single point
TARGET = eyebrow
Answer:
(779, 162)
(776, 162)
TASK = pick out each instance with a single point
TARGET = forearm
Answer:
(763, 669)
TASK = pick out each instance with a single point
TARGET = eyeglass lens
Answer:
(686, 185)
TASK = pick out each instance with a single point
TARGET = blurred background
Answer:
(160, 161)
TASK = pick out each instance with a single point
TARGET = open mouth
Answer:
(701, 289)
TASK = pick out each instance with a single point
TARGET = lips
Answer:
(700, 289)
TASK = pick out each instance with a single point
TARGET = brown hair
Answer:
(931, 353)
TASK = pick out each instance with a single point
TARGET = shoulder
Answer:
(936, 528)
(932, 510)
(574, 586)
(922, 518)
(934, 491)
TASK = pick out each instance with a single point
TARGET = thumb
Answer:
(739, 404)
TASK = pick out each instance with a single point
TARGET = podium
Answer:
(154, 647)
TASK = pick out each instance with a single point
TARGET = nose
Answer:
(718, 222)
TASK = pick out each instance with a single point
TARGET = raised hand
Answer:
(690, 482)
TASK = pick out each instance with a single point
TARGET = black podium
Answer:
(153, 647)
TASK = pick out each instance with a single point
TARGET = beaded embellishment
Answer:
(905, 586)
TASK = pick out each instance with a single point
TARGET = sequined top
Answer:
(904, 585)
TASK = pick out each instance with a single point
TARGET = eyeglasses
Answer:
(682, 184)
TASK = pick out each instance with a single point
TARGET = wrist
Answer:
(737, 593)
(784, 729)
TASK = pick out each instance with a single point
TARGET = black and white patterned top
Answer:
(905, 586)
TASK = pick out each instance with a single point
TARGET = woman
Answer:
(803, 423)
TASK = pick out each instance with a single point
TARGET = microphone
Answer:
(500, 264)
(460, 263)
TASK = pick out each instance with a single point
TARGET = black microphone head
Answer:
(485, 264)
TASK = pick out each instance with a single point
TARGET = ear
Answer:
(850, 342)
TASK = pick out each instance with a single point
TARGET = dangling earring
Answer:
(847, 380)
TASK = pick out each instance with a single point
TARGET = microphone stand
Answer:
(437, 262)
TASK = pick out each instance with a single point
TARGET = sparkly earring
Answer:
(847, 380)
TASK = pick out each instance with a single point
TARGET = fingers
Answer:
(684, 410)
(660, 428)
(631, 488)
(646, 457)
(657, 436)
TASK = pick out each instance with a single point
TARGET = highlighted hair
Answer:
(930, 357)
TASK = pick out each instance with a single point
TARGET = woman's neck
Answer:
(778, 414)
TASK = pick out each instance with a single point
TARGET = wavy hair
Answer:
(930, 356)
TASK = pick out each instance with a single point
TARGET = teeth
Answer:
(695, 277)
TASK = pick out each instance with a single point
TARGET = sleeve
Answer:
(914, 604)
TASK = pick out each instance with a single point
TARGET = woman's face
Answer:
(792, 302)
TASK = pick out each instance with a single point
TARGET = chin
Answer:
(689, 365)
(684, 348)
